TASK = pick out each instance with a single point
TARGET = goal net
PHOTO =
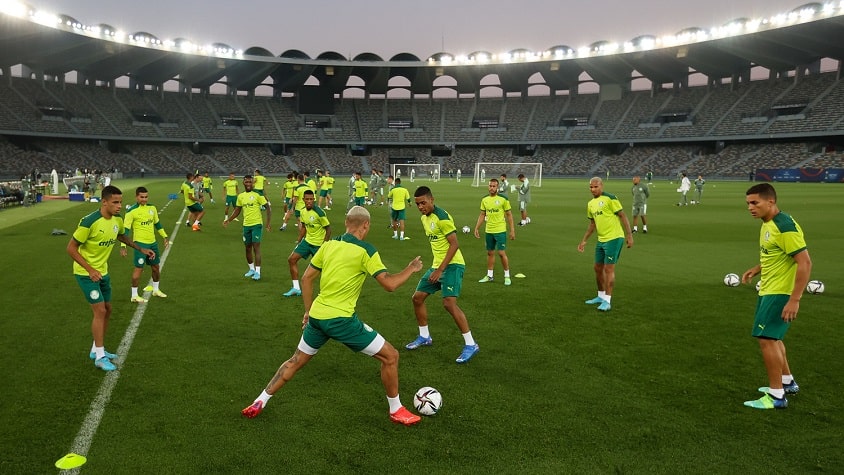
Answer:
(485, 171)
(409, 172)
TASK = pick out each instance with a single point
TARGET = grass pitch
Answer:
(654, 386)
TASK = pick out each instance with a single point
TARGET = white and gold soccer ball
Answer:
(815, 287)
(732, 280)
(466, 229)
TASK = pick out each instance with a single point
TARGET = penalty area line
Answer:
(85, 437)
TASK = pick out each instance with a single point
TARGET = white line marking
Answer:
(85, 437)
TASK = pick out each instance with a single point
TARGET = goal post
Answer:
(410, 172)
(485, 171)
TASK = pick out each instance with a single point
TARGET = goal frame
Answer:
(531, 170)
(426, 175)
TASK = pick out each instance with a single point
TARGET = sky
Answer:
(389, 27)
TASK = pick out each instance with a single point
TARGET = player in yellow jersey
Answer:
(399, 198)
(314, 230)
(496, 212)
(193, 202)
(606, 216)
(231, 187)
(260, 182)
(90, 247)
(207, 185)
(251, 203)
(326, 185)
(445, 274)
(785, 266)
(142, 221)
(342, 265)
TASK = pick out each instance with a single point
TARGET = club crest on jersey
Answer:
(432, 225)
(114, 229)
(767, 235)
(151, 212)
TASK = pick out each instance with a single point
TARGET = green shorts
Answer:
(231, 200)
(496, 241)
(260, 192)
(305, 249)
(195, 208)
(323, 193)
(608, 252)
(141, 259)
(328, 191)
(252, 234)
(397, 214)
(349, 331)
(95, 292)
(207, 190)
(451, 281)
(360, 201)
(768, 322)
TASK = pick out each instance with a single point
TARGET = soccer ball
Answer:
(815, 287)
(427, 401)
(732, 280)
(758, 285)
(466, 229)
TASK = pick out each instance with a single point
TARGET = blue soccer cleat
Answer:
(250, 273)
(105, 364)
(790, 388)
(594, 301)
(111, 356)
(419, 341)
(292, 293)
(256, 276)
(767, 402)
(467, 353)
(605, 306)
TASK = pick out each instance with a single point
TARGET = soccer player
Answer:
(641, 193)
(445, 274)
(342, 265)
(458, 175)
(325, 187)
(399, 198)
(287, 192)
(313, 231)
(207, 185)
(253, 222)
(685, 186)
(606, 215)
(503, 186)
(193, 202)
(90, 247)
(699, 189)
(231, 187)
(260, 182)
(785, 266)
(297, 204)
(360, 190)
(524, 199)
(495, 210)
(142, 220)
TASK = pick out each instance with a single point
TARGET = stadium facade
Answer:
(73, 95)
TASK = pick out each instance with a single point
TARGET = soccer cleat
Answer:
(507, 281)
(253, 410)
(250, 273)
(467, 353)
(158, 293)
(645, 231)
(635, 231)
(594, 301)
(293, 292)
(395, 237)
(403, 416)
(790, 388)
(419, 341)
(404, 239)
(485, 279)
(111, 356)
(767, 402)
(256, 276)
(187, 223)
(105, 364)
(148, 288)
(195, 227)
(138, 299)
(605, 306)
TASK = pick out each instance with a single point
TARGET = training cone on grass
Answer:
(519, 276)
(70, 461)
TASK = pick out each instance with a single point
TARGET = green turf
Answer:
(654, 386)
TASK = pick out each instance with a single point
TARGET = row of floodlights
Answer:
(642, 43)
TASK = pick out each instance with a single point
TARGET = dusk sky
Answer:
(420, 27)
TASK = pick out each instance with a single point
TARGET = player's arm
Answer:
(804, 270)
(628, 235)
(509, 215)
(269, 215)
(749, 274)
(453, 246)
(391, 282)
(481, 217)
(302, 232)
(124, 238)
(234, 214)
(589, 230)
(128, 224)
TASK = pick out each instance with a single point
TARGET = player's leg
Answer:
(256, 249)
(420, 310)
(293, 263)
(489, 240)
(136, 280)
(501, 245)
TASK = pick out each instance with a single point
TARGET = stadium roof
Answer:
(56, 46)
